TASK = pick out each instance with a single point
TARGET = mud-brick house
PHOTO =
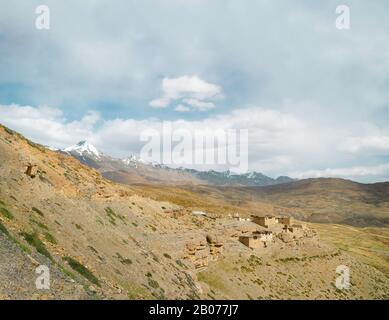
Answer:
(264, 221)
(284, 220)
(269, 221)
(258, 239)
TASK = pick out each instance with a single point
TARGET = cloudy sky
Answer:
(314, 98)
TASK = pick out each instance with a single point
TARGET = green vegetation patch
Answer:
(180, 263)
(33, 240)
(254, 261)
(213, 280)
(78, 226)
(4, 230)
(153, 283)
(50, 238)
(6, 214)
(111, 215)
(123, 260)
(137, 293)
(39, 224)
(76, 266)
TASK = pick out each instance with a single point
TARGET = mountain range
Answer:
(135, 170)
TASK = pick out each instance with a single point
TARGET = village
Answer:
(259, 233)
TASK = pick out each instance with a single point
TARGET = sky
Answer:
(313, 98)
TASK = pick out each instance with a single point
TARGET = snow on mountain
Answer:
(89, 155)
(52, 148)
(83, 148)
(133, 161)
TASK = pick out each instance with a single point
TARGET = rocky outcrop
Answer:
(197, 254)
(202, 251)
(215, 246)
(31, 170)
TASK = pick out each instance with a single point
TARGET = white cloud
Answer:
(48, 125)
(377, 143)
(191, 90)
(198, 104)
(279, 142)
(182, 108)
(381, 170)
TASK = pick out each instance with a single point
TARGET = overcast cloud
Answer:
(314, 98)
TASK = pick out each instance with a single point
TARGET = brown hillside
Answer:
(105, 240)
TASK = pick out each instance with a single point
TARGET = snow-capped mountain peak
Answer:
(133, 161)
(83, 148)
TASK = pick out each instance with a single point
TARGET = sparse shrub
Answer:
(126, 261)
(153, 283)
(49, 237)
(179, 262)
(78, 226)
(123, 260)
(246, 269)
(254, 261)
(166, 255)
(33, 240)
(38, 211)
(93, 249)
(39, 224)
(3, 229)
(76, 266)
(111, 215)
(6, 214)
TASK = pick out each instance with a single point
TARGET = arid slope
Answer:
(105, 240)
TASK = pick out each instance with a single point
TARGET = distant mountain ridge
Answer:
(135, 170)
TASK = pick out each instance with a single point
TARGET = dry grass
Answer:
(369, 245)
